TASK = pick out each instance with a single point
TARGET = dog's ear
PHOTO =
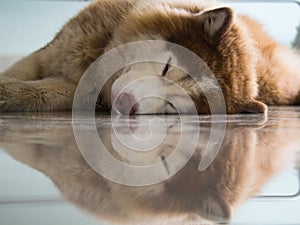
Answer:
(214, 23)
(214, 208)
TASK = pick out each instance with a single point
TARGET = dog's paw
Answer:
(2, 103)
(255, 107)
(250, 106)
(16, 97)
(3, 97)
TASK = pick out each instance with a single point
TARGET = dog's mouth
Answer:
(126, 104)
(170, 108)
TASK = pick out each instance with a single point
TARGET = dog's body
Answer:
(251, 68)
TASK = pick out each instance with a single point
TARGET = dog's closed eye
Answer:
(166, 68)
(165, 163)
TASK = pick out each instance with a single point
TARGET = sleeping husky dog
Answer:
(251, 68)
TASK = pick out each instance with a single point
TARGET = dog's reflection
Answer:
(250, 155)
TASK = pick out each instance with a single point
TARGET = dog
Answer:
(252, 69)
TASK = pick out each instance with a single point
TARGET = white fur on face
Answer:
(153, 87)
(152, 92)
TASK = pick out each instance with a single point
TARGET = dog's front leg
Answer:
(49, 94)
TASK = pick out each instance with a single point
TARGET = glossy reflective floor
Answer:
(239, 169)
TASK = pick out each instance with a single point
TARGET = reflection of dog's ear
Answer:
(214, 208)
(214, 23)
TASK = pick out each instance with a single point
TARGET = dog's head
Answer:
(215, 34)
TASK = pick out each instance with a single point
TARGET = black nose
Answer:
(126, 104)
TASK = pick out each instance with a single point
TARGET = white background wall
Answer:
(27, 25)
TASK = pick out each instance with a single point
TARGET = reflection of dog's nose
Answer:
(125, 104)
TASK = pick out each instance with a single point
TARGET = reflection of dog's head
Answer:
(245, 162)
(214, 33)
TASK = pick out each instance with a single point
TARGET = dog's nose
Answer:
(126, 104)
